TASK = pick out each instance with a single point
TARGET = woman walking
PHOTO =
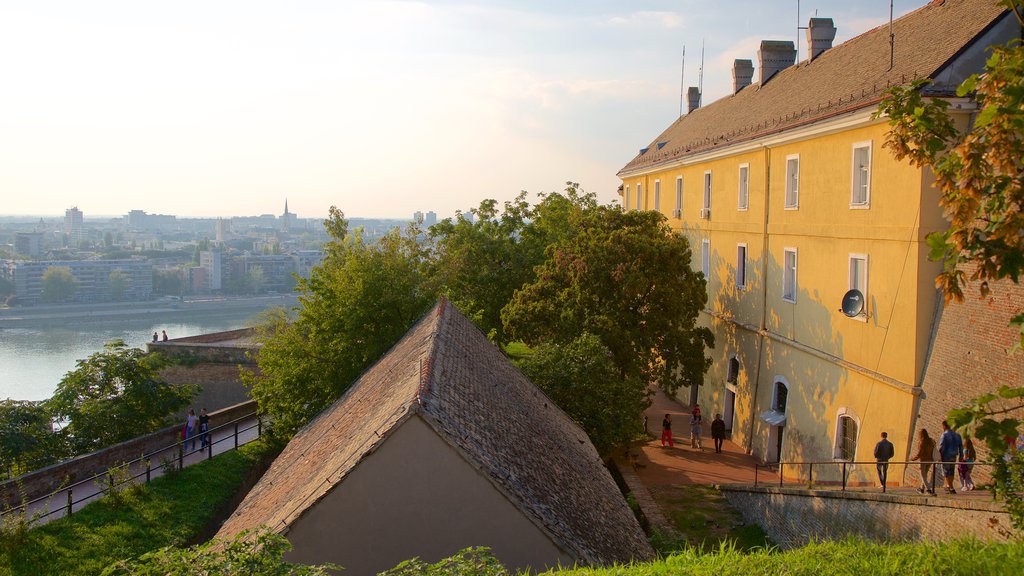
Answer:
(666, 430)
(925, 454)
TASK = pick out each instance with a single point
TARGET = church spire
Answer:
(285, 206)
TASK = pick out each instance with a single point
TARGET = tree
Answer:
(581, 379)
(115, 395)
(254, 553)
(625, 277)
(118, 282)
(980, 176)
(58, 284)
(168, 282)
(27, 440)
(355, 305)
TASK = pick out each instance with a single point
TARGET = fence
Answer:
(112, 479)
(833, 474)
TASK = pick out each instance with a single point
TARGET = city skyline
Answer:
(378, 108)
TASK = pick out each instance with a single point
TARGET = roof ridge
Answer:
(427, 364)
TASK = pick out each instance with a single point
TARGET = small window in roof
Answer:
(662, 145)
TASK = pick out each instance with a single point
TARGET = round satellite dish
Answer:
(853, 303)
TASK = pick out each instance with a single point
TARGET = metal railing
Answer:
(868, 476)
(176, 451)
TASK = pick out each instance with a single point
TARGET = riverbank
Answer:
(63, 314)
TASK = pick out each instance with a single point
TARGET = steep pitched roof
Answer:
(847, 77)
(445, 370)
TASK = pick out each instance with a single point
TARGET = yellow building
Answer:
(790, 200)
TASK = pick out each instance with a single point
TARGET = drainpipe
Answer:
(761, 328)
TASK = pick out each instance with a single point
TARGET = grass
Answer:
(852, 558)
(706, 521)
(172, 509)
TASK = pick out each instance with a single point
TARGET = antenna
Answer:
(682, 70)
(700, 77)
(799, 28)
(892, 40)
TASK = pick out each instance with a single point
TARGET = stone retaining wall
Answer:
(46, 480)
(793, 517)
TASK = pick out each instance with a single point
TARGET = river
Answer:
(33, 359)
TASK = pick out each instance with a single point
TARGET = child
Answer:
(966, 465)
(666, 430)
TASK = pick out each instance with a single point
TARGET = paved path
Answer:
(84, 493)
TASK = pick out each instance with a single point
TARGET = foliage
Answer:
(27, 440)
(355, 305)
(980, 175)
(626, 278)
(167, 282)
(58, 284)
(118, 282)
(113, 396)
(479, 263)
(167, 511)
(581, 378)
(476, 561)
(256, 553)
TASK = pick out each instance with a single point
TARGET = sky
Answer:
(381, 108)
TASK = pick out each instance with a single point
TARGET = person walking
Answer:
(884, 451)
(204, 429)
(718, 432)
(695, 433)
(951, 449)
(925, 453)
(966, 466)
(666, 430)
(191, 425)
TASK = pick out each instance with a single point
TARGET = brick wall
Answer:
(793, 517)
(46, 480)
(971, 353)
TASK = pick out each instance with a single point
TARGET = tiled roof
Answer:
(847, 77)
(445, 370)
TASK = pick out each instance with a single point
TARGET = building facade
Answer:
(96, 280)
(791, 202)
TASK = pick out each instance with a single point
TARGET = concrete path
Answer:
(50, 508)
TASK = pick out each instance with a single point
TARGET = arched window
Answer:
(779, 397)
(734, 370)
(847, 429)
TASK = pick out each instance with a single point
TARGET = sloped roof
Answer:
(847, 77)
(445, 370)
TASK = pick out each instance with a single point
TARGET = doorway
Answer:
(730, 407)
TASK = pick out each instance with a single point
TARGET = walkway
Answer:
(55, 506)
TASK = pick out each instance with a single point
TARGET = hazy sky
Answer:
(224, 108)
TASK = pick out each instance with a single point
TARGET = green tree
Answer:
(118, 282)
(27, 440)
(255, 279)
(168, 282)
(58, 284)
(253, 553)
(980, 176)
(108, 239)
(624, 277)
(354, 306)
(115, 395)
(580, 377)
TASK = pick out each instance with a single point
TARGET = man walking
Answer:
(718, 432)
(884, 451)
(951, 449)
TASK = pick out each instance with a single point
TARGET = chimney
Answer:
(742, 74)
(692, 99)
(820, 34)
(775, 56)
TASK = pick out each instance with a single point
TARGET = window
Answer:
(859, 278)
(741, 266)
(846, 436)
(734, 370)
(639, 196)
(707, 190)
(657, 195)
(789, 275)
(860, 193)
(679, 196)
(625, 201)
(779, 396)
(792, 181)
(741, 201)
(705, 257)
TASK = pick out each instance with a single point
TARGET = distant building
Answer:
(211, 261)
(417, 217)
(223, 232)
(74, 225)
(93, 277)
(28, 243)
(443, 444)
(430, 219)
(276, 270)
(288, 220)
